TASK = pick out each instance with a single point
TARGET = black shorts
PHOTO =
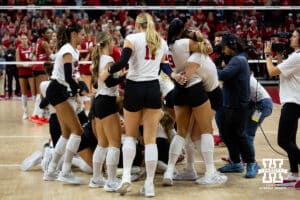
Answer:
(37, 73)
(56, 93)
(82, 117)
(192, 96)
(142, 94)
(170, 99)
(26, 76)
(105, 105)
(215, 98)
(88, 139)
(92, 111)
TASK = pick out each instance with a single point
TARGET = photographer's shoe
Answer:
(232, 168)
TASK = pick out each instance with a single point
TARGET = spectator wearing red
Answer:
(6, 39)
(12, 29)
(252, 32)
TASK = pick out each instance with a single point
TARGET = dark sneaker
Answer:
(252, 169)
(232, 168)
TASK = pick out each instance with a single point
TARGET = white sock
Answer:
(60, 163)
(24, 103)
(174, 152)
(37, 110)
(190, 155)
(112, 161)
(129, 151)
(151, 157)
(207, 151)
(71, 149)
(98, 160)
(33, 98)
(82, 165)
(59, 150)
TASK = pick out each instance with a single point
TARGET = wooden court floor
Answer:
(18, 139)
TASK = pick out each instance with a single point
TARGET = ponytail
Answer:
(64, 33)
(95, 61)
(102, 39)
(153, 39)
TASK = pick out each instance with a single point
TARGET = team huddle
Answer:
(154, 97)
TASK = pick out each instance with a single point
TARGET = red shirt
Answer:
(116, 54)
(41, 55)
(24, 56)
(86, 47)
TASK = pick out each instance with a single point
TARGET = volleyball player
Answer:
(207, 70)
(58, 91)
(43, 53)
(190, 99)
(145, 50)
(107, 121)
(24, 53)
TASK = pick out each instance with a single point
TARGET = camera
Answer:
(281, 42)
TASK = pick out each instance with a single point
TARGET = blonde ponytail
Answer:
(153, 39)
(95, 61)
(102, 39)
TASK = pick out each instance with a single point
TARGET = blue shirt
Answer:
(236, 82)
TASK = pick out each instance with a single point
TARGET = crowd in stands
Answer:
(254, 26)
(154, 2)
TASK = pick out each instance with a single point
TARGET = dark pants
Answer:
(233, 123)
(287, 130)
(12, 72)
(163, 146)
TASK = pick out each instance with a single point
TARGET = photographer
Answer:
(289, 74)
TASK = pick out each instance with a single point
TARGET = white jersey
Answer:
(102, 88)
(58, 69)
(142, 65)
(207, 71)
(290, 79)
(166, 85)
(43, 87)
(257, 91)
(161, 132)
(180, 52)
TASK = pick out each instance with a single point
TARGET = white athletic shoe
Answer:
(31, 161)
(186, 175)
(98, 182)
(112, 186)
(123, 188)
(148, 190)
(212, 179)
(25, 115)
(70, 178)
(168, 179)
(50, 176)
